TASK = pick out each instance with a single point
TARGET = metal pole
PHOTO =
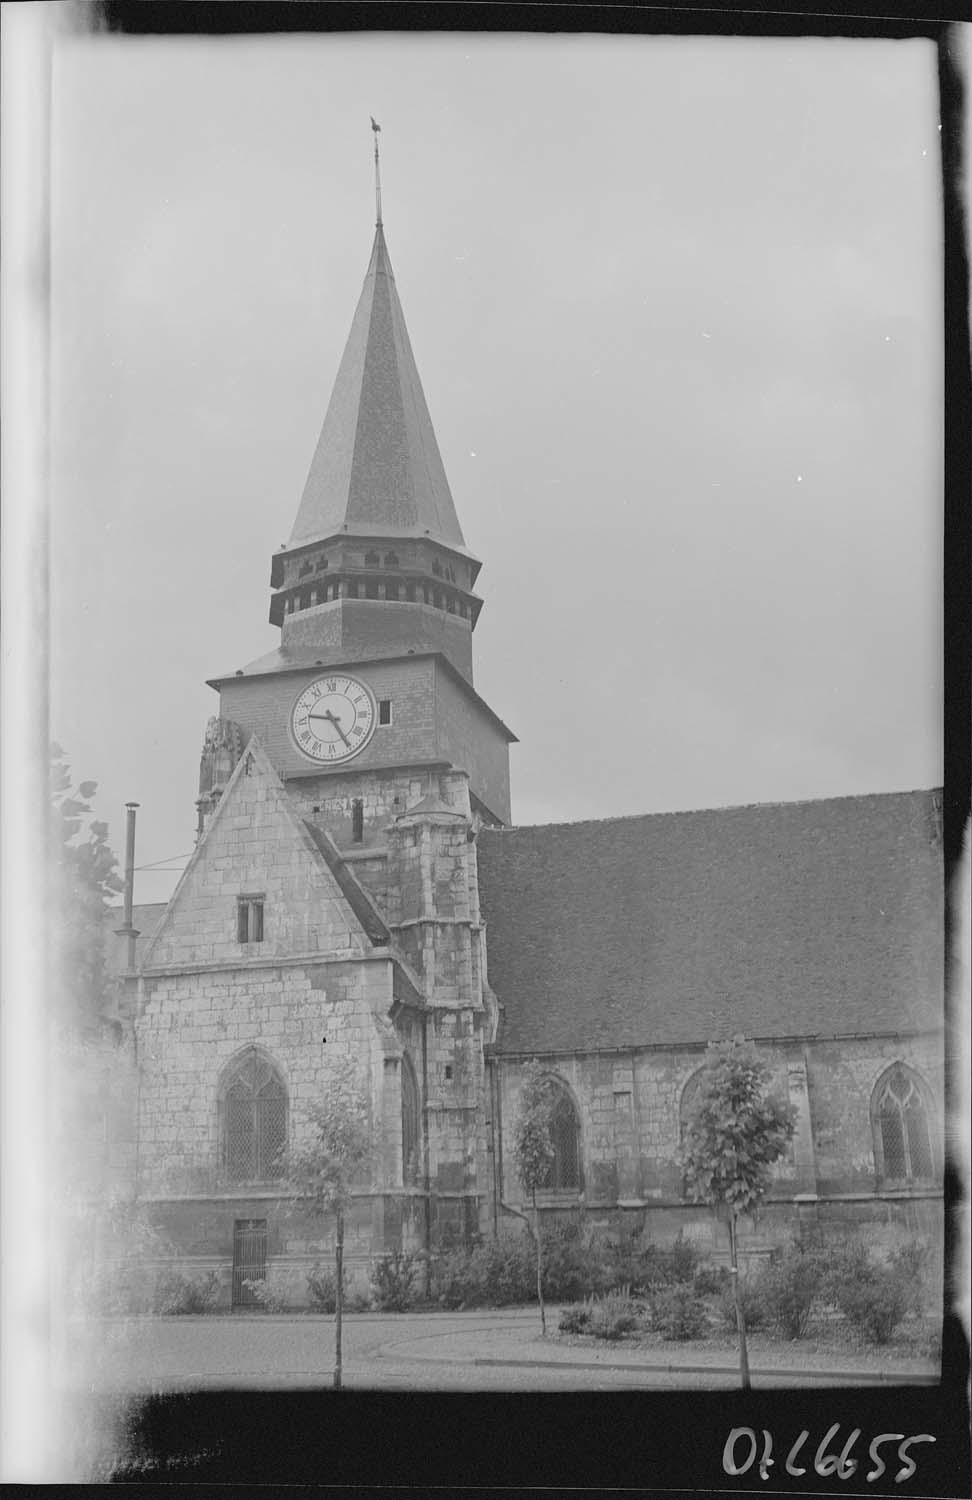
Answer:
(127, 930)
(376, 128)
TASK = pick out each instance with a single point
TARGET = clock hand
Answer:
(337, 726)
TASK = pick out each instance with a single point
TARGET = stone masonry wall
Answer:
(253, 846)
(263, 705)
(193, 1025)
(628, 1107)
(471, 740)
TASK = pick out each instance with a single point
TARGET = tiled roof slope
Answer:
(145, 917)
(792, 919)
(377, 468)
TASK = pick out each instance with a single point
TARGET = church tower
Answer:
(369, 696)
(343, 784)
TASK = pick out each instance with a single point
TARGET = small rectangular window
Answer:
(384, 711)
(249, 919)
(357, 820)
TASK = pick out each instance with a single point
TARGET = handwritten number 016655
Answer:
(841, 1464)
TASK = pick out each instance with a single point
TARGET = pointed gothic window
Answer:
(410, 1123)
(564, 1170)
(902, 1138)
(253, 1118)
(686, 1109)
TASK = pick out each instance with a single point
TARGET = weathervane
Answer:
(376, 128)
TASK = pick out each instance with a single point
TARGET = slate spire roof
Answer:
(377, 468)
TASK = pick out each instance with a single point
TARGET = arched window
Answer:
(565, 1136)
(686, 1109)
(900, 1117)
(391, 559)
(253, 1118)
(410, 1123)
(372, 560)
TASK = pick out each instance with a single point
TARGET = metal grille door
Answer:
(249, 1259)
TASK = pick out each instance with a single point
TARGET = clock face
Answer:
(333, 719)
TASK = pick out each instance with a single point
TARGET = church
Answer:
(358, 892)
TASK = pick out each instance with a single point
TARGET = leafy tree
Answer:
(323, 1168)
(735, 1133)
(83, 878)
(533, 1153)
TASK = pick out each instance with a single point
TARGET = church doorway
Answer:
(249, 1259)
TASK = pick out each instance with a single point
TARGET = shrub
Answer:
(678, 1313)
(451, 1280)
(574, 1263)
(611, 1318)
(322, 1286)
(393, 1278)
(575, 1319)
(607, 1317)
(624, 1263)
(675, 1266)
(176, 1294)
(911, 1262)
(877, 1303)
(790, 1287)
(272, 1296)
(495, 1273)
(710, 1281)
(751, 1296)
(843, 1265)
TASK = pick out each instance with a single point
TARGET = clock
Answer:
(333, 719)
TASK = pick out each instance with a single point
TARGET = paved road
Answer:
(498, 1350)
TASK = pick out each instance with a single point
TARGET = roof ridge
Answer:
(683, 812)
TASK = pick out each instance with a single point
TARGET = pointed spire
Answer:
(377, 469)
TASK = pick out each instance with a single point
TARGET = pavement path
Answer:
(485, 1350)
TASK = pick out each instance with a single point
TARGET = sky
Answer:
(676, 307)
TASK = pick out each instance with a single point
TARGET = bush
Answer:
(679, 1313)
(843, 1265)
(877, 1303)
(322, 1286)
(675, 1266)
(751, 1296)
(607, 1317)
(272, 1296)
(451, 1282)
(495, 1273)
(911, 1262)
(612, 1317)
(574, 1263)
(575, 1319)
(176, 1294)
(393, 1278)
(790, 1288)
(504, 1270)
(710, 1281)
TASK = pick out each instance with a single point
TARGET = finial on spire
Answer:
(377, 128)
